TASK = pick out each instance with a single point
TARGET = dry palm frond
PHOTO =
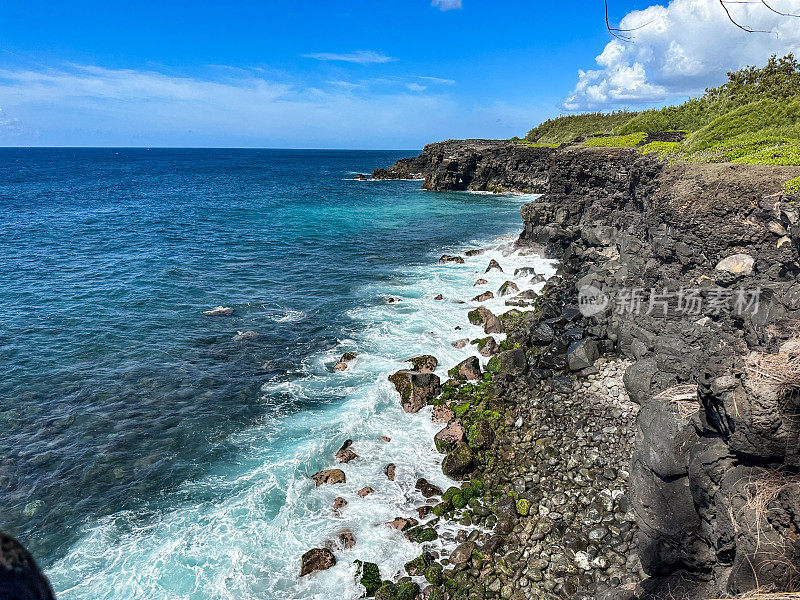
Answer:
(778, 373)
(684, 397)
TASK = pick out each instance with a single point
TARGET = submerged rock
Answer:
(493, 265)
(424, 364)
(346, 359)
(486, 346)
(389, 471)
(244, 335)
(480, 282)
(365, 491)
(487, 319)
(459, 344)
(329, 477)
(415, 388)
(317, 559)
(446, 258)
(219, 311)
(345, 540)
(345, 454)
(339, 503)
(402, 523)
(427, 489)
(442, 414)
(483, 297)
(508, 288)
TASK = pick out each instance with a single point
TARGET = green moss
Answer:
(421, 534)
(616, 141)
(511, 320)
(474, 317)
(449, 493)
(418, 565)
(461, 409)
(459, 501)
(388, 591)
(508, 345)
(407, 590)
(433, 574)
(523, 507)
(442, 508)
(369, 576)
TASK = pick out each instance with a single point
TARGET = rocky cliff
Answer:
(699, 265)
(688, 274)
(478, 165)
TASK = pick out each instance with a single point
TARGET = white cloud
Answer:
(415, 87)
(437, 80)
(681, 49)
(362, 57)
(446, 4)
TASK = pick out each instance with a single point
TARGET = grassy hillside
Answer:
(752, 118)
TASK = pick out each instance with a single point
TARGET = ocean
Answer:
(147, 453)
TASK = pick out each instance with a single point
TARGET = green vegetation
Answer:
(565, 129)
(753, 118)
(616, 141)
(792, 186)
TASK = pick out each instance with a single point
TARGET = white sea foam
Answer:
(239, 532)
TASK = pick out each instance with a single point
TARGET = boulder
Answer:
(513, 362)
(459, 461)
(345, 454)
(329, 477)
(365, 491)
(316, 559)
(480, 435)
(483, 297)
(442, 414)
(447, 439)
(368, 575)
(486, 346)
(582, 354)
(524, 271)
(462, 553)
(480, 282)
(339, 503)
(475, 252)
(360, 177)
(427, 489)
(508, 288)
(389, 471)
(386, 438)
(487, 319)
(402, 523)
(415, 388)
(346, 359)
(460, 344)
(446, 258)
(423, 364)
(219, 311)
(345, 540)
(736, 264)
(468, 369)
(438, 297)
(493, 265)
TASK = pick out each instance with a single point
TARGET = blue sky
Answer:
(355, 74)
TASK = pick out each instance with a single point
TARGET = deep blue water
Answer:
(118, 393)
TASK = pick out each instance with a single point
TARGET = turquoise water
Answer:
(148, 454)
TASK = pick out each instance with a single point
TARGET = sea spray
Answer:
(258, 514)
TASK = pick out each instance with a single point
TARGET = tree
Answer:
(625, 34)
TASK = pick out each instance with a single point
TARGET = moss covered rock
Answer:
(369, 576)
(459, 461)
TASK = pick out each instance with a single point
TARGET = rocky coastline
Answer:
(644, 450)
